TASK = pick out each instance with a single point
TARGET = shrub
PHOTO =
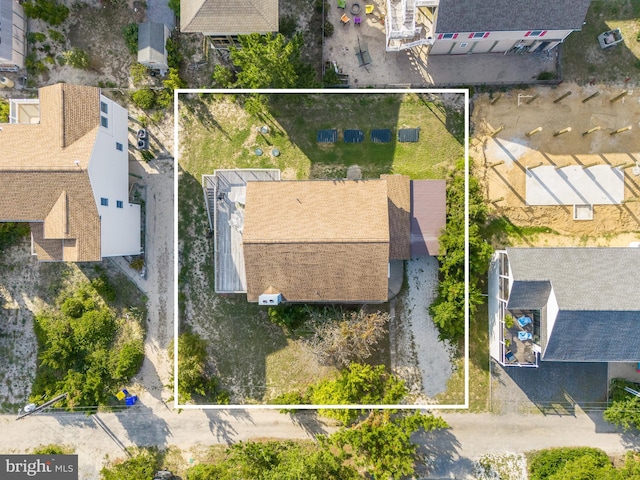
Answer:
(73, 307)
(104, 287)
(288, 25)
(48, 10)
(129, 360)
(52, 449)
(34, 37)
(76, 58)
(130, 32)
(545, 464)
(138, 73)
(546, 75)
(137, 264)
(328, 28)
(174, 56)
(175, 6)
(11, 233)
(288, 316)
(144, 98)
(4, 111)
(56, 36)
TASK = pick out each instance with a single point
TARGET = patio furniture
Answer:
(357, 21)
(344, 19)
(524, 321)
(510, 357)
(368, 9)
(342, 4)
(355, 9)
(524, 336)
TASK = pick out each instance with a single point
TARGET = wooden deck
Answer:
(226, 217)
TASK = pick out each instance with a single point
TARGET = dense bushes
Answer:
(83, 350)
(569, 464)
(624, 410)
(11, 233)
(50, 11)
(130, 33)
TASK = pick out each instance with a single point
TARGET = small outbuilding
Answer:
(152, 46)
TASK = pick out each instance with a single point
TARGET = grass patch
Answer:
(478, 368)
(505, 233)
(582, 57)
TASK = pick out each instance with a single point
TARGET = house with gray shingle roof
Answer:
(228, 18)
(64, 169)
(470, 26)
(13, 28)
(564, 304)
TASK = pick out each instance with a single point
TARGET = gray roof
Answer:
(529, 295)
(594, 336)
(229, 17)
(151, 44)
(12, 31)
(510, 15)
(583, 278)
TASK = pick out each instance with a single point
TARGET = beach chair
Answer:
(368, 9)
(344, 19)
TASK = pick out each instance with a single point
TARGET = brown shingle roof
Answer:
(399, 191)
(229, 17)
(322, 241)
(40, 180)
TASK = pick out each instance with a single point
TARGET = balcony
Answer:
(520, 342)
(409, 23)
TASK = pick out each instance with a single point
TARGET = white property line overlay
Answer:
(176, 156)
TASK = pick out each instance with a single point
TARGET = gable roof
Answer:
(229, 17)
(428, 216)
(151, 43)
(594, 336)
(43, 183)
(582, 278)
(317, 241)
(399, 192)
(510, 15)
(529, 295)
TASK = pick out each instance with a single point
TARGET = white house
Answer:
(65, 170)
(13, 27)
(469, 26)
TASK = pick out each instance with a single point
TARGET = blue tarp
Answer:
(382, 135)
(408, 134)
(353, 136)
(327, 136)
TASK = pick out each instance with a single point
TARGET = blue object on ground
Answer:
(129, 401)
(124, 390)
(327, 136)
(382, 135)
(406, 135)
(524, 321)
(353, 136)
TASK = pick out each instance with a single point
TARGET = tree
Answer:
(382, 443)
(130, 33)
(4, 111)
(624, 413)
(340, 338)
(268, 61)
(145, 98)
(76, 57)
(12, 233)
(359, 384)
(567, 462)
(448, 309)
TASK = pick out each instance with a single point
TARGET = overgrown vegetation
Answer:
(624, 410)
(502, 231)
(580, 463)
(448, 309)
(142, 465)
(12, 233)
(50, 11)
(85, 350)
(52, 449)
(194, 375)
(76, 58)
(130, 33)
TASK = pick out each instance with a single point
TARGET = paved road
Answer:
(153, 423)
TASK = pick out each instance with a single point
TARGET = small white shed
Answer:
(152, 46)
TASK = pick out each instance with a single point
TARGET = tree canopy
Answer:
(624, 410)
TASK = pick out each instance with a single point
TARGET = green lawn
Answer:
(248, 353)
(582, 58)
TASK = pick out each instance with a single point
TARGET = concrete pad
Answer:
(574, 185)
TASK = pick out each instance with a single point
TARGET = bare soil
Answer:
(501, 160)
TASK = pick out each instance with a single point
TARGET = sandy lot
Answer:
(502, 160)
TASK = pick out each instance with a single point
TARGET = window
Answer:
(118, 203)
(104, 108)
(104, 122)
(447, 36)
(464, 45)
(535, 33)
(479, 35)
(118, 146)
(104, 202)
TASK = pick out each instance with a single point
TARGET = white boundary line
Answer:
(176, 156)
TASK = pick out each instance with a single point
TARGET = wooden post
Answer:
(560, 132)
(628, 165)
(497, 97)
(591, 130)
(619, 165)
(497, 200)
(622, 94)
(562, 97)
(534, 131)
(593, 95)
(536, 166)
(629, 200)
(498, 130)
(560, 165)
(495, 164)
(620, 130)
(589, 165)
(533, 98)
